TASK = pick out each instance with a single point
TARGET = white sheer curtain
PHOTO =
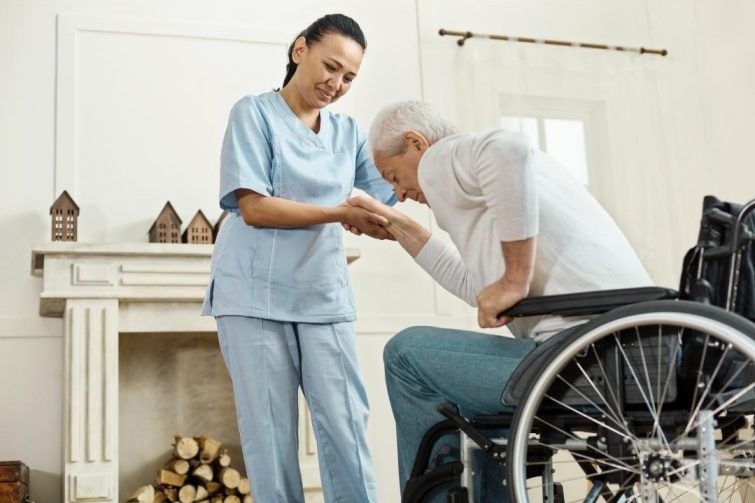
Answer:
(615, 93)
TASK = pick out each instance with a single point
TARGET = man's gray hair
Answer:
(392, 122)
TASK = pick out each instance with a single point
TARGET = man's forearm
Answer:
(519, 257)
(409, 234)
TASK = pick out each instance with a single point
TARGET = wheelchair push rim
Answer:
(680, 452)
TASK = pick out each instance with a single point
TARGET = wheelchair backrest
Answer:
(720, 269)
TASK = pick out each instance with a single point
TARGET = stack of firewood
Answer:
(198, 472)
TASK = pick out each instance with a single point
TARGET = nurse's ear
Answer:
(300, 47)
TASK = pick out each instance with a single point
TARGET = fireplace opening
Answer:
(171, 384)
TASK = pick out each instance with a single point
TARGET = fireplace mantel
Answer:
(101, 291)
(128, 272)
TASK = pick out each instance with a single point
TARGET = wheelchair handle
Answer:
(740, 235)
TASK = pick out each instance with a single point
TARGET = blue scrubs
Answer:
(283, 299)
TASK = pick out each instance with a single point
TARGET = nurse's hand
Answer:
(409, 234)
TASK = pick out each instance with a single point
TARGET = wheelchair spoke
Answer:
(699, 373)
(650, 405)
(686, 490)
(695, 413)
(604, 374)
(608, 413)
(587, 416)
(671, 374)
(601, 453)
(733, 398)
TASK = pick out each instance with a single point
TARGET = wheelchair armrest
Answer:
(575, 304)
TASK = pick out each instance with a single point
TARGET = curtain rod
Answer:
(468, 34)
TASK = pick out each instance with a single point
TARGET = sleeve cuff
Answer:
(430, 253)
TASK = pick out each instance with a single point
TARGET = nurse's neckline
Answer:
(316, 127)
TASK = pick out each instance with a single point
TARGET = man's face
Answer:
(401, 171)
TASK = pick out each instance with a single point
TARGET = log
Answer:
(169, 478)
(145, 494)
(208, 448)
(244, 486)
(185, 447)
(224, 459)
(171, 493)
(232, 499)
(229, 477)
(187, 494)
(213, 487)
(178, 465)
(160, 497)
(203, 472)
(202, 493)
(218, 498)
(248, 498)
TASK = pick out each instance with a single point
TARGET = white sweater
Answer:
(488, 187)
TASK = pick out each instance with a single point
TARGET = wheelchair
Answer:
(652, 400)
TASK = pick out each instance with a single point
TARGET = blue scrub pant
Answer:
(268, 361)
(427, 366)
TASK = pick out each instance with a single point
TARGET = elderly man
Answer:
(521, 226)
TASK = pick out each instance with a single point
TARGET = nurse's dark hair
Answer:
(330, 23)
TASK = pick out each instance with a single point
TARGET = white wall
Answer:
(131, 115)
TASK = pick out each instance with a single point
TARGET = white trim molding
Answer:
(70, 27)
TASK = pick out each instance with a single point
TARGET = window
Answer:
(572, 131)
(562, 139)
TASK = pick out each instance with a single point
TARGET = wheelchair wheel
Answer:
(651, 402)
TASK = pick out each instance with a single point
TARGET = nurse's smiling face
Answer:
(326, 68)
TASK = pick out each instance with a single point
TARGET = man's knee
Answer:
(400, 343)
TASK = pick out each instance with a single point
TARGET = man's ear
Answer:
(416, 141)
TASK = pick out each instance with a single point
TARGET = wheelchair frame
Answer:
(635, 437)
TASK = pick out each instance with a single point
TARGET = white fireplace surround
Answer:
(101, 291)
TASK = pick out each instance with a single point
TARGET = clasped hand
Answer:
(361, 218)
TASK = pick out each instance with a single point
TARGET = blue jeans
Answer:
(268, 362)
(427, 366)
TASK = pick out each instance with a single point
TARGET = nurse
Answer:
(280, 289)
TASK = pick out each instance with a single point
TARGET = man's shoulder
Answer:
(503, 137)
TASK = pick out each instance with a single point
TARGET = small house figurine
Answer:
(199, 230)
(65, 213)
(216, 229)
(167, 226)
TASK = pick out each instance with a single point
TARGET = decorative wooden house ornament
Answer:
(167, 226)
(199, 231)
(65, 213)
(217, 225)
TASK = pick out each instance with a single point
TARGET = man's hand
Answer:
(495, 298)
(519, 257)
(360, 221)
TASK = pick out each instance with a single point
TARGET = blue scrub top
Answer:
(296, 275)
